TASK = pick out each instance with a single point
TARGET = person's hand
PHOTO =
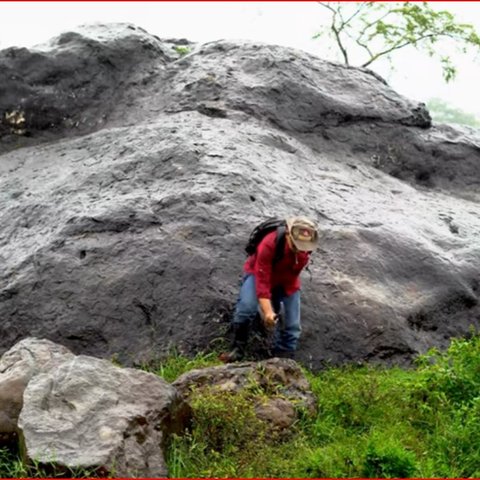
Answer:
(270, 319)
(268, 313)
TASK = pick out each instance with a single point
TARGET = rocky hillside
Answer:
(131, 176)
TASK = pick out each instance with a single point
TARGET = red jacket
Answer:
(285, 273)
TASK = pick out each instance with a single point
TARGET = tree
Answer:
(443, 112)
(373, 30)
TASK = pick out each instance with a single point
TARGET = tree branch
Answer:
(337, 30)
(360, 8)
(398, 46)
(365, 47)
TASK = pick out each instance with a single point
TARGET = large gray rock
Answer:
(18, 366)
(140, 225)
(89, 414)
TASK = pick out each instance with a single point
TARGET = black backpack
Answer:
(263, 229)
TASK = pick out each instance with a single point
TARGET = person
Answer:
(266, 285)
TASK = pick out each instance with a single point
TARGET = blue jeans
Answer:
(288, 331)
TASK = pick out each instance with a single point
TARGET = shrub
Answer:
(452, 376)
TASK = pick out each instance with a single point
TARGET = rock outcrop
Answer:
(131, 177)
(280, 389)
(77, 413)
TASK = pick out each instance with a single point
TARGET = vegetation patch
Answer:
(372, 422)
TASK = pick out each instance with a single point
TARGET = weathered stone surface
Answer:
(18, 365)
(277, 412)
(71, 83)
(282, 381)
(140, 225)
(90, 414)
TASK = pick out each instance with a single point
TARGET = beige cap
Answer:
(303, 233)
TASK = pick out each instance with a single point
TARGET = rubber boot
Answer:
(240, 339)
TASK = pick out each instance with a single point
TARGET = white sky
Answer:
(284, 23)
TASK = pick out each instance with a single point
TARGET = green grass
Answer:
(177, 364)
(10, 465)
(372, 422)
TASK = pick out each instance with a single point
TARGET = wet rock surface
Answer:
(131, 177)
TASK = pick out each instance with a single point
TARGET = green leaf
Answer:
(379, 29)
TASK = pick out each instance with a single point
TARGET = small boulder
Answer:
(18, 365)
(90, 414)
(284, 388)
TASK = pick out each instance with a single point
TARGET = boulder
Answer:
(90, 415)
(285, 391)
(29, 357)
(136, 218)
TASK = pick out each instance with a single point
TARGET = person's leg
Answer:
(245, 311)
(290, 329)
(277, 296)
(247, 303)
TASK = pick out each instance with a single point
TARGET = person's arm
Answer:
(263, 278)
